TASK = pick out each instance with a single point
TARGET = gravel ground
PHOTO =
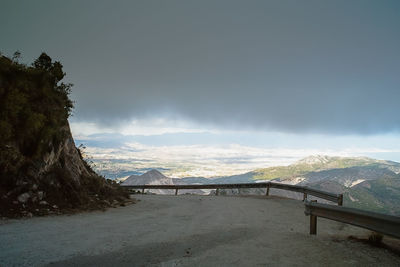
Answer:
(188, 230)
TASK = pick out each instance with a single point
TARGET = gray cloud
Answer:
(309, 66)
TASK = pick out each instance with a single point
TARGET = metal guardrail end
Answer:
(307, 210)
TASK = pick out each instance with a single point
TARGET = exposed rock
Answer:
(24, 197)
(66, 156)
(106, 202)
(43, 203)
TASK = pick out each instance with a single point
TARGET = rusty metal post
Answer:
(267, 193)
(340, 201)
(313, 222)
(143, 191)
(304, 197)
(176, 191)
(313, 225)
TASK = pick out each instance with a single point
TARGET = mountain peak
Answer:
(316, 159)
(153, 174)
(150, 177)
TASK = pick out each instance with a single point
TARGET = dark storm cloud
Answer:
(295, 66)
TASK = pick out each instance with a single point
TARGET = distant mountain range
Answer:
(366, 183)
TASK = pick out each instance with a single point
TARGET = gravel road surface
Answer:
(188, 230)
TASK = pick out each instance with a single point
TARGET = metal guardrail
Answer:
(337, 198)
(382, 223)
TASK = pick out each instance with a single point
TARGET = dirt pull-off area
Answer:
(188, 230)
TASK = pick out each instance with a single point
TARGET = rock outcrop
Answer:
(41, 170)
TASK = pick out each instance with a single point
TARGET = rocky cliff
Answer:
(41, 170)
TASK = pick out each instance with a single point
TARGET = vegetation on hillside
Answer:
(312, 164)
(34, 104)
(380, 195)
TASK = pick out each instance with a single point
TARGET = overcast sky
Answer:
(295, 67)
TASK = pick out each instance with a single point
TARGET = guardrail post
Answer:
(340, 201)
(313, 222)
(217, 192)
(313, 225)
(304, 197)
(267, 193)
(176, 191)
(143, 191)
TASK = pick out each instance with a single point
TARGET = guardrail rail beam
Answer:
(295, 188)
(378, 222)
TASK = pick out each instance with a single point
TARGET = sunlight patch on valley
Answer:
(197, 160)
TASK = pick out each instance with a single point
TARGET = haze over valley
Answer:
(208, 154)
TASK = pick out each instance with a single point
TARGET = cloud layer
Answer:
(288, 66)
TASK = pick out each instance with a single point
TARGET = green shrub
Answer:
(375, 238)
(34, 104)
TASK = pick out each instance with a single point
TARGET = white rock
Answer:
(24, 197)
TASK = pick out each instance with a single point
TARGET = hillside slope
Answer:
(380, 195)
(320, 163)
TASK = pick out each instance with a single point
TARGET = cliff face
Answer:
(65, 156)
(41, 170)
